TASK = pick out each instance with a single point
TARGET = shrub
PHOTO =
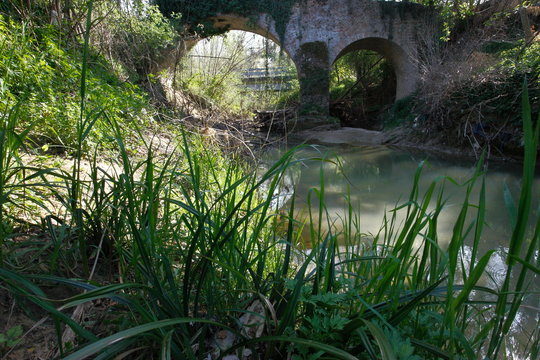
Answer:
(136, 37)
(41, 71)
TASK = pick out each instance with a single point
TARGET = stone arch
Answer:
(264, 26)
(405, 69)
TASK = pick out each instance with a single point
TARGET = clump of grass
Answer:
(10, 164)
(510, 297)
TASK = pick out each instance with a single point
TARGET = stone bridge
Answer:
(319, 32)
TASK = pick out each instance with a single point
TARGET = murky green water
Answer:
(379, 178)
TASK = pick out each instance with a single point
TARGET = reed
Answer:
(510, 297)
(10, 169)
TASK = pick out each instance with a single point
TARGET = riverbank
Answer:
(401, 137)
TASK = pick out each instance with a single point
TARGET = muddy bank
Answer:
(402, 137)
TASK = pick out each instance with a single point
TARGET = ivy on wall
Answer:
(195, 13)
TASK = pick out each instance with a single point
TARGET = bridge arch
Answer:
(262, 27)
(404, 68)
(240, 70)
(318, 32)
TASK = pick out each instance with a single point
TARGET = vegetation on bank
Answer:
(470, 92)
(40, 72)
(182, 253)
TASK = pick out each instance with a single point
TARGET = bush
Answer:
(135, 38)
(400, 113)
(470, 95)
(41, 71)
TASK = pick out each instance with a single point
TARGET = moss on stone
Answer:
(280, 11)
(196, 12)
(392, 8)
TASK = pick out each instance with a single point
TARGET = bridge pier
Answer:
(314, 76)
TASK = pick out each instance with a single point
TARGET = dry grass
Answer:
(465, 94)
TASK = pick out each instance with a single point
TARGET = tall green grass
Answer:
(16, 177)
(522, 248)
(195, 240)
(10, 163)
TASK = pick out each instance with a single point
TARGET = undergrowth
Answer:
(194, 242)
(471, 89)
(40, 71)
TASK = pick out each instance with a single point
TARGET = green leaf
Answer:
(526, 264)
(104, 343)
(15, 332)
(404, 310)
(330, 350)
(387, 353)
(431, 349)
(475, 275)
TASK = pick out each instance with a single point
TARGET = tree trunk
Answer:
(526, 24)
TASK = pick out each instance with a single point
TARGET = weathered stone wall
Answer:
(319, 32)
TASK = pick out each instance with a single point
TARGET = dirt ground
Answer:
(38, 341)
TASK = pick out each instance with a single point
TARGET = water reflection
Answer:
(379, 178)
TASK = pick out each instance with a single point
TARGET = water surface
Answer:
(380, 178)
